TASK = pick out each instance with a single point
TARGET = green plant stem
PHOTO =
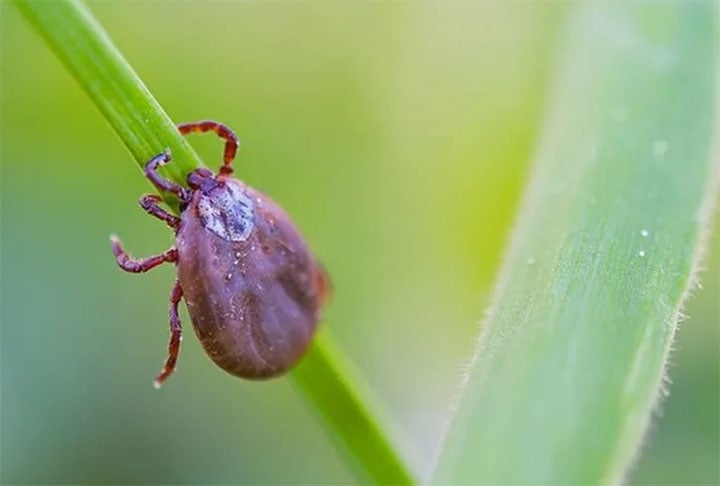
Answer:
(87, 52)
(326, 376)
(571, 358)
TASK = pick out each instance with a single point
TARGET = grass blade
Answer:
(570, 361)
(145, 129)
(87, 52)
(326, 377)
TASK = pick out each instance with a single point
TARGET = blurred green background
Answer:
(398, 135)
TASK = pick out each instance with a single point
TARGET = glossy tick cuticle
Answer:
(253, 290)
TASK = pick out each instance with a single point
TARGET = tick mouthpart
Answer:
(202, 179)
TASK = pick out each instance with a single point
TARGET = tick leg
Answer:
(162, 184)
(175, 336)
(129, 264)
(231, 141)
(151, 204)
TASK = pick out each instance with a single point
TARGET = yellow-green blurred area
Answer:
(397, 135)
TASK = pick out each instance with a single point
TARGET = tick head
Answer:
(202, 179)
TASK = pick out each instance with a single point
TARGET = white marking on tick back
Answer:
(228, 276)
(660, 148)
(228, 212)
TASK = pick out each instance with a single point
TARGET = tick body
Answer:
(254, 291)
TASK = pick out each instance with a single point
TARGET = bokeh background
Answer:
(398, 135)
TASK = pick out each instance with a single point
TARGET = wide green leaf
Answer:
(571, 358)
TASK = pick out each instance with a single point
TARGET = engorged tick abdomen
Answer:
(253, 290)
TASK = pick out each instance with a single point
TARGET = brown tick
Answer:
(253, 290)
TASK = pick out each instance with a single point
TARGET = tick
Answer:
(253, 289)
